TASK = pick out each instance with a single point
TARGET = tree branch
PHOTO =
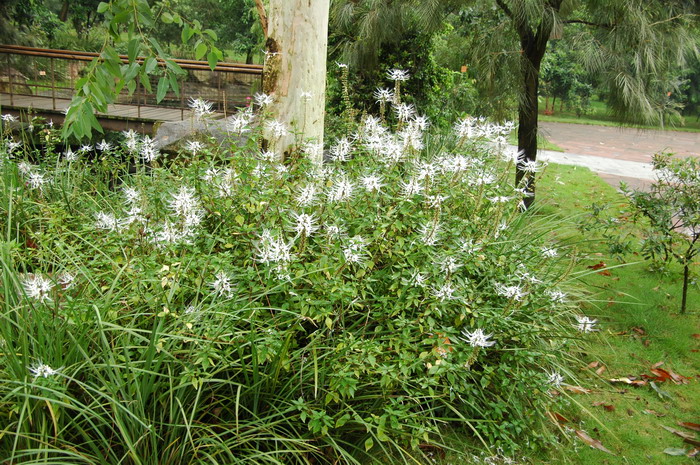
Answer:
(263, 16)
(588, 23)
(522, 29)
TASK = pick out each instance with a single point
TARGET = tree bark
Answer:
(295, 69)
(533, 51)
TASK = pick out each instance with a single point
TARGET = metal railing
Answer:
(52, 74)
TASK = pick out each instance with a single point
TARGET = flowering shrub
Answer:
(225, 307)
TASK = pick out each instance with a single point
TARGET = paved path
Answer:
(617, 154)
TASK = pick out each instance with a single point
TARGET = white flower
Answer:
(355, 250)
(12, 146)
(148, 151)
(131, 195)
(341, 65)
(449, 265)
(529, 166)
(107, 221)
(412, 187)
(263, 100)
(273, 249)
(555, 379)
(104, 146)
(305, 224)
(444, 292)
(398, 75)
(435, 201)
(404, 111)
(240, 123)
(585, 324)
(184, 202)
(222, 285)
(37, 287)
(557, 296)
(37, 181)
(342, 189)
(70, 156)
(549, 252)
(429, 232)
(372, 182)
(384, 95)
(193, 146)
(85, 148)
(201, 108)
(42, 370)
(334, 231)
(419, 279)
(276, 128)
(341, 150)
(500, 199)
(306, 196)
(313, 150)
(7, 118)
(512, 292)
(131, 140)
(24, 168)
(477, 338)
(66, 280)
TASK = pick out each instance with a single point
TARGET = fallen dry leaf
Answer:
(695, 336)
(631, 381)
(653, 412)
(640, 331)
(577, 389)
(675, 451)
(689, 425)
(694, 453)
(657, 364)
(681, 434)
(692, 441)
(597, 266)
(600, 370)
(608, 407)
(594, 443)
(593, 364)
(557, 418)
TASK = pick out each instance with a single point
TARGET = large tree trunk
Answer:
(295, 67)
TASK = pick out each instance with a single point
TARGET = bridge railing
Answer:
(52, 74)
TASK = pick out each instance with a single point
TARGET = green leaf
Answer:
(131, 86)
(211, 34)
(212, 59)
(369, 443)
(163, 85)
(102, 7)
(200, 50)
(166, 17)
(133, 49)
(150, 64)
(240, 220)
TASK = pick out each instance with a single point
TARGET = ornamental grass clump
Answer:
(224, 307)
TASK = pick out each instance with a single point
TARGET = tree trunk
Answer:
(295, 67)
(63, 15)
(533, 51)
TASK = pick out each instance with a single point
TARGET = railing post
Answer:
(9, 72)
(53, 85)
(182, 98)
(138, 99)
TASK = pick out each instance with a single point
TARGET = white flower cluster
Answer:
(182, 228)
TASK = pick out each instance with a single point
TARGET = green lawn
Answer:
(600, 116)
(639, 327)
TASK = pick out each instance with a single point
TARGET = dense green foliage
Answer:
(222, 307)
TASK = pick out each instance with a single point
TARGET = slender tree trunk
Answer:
(295, 69)
(63, 15)
(686, 276)
(528, 116)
